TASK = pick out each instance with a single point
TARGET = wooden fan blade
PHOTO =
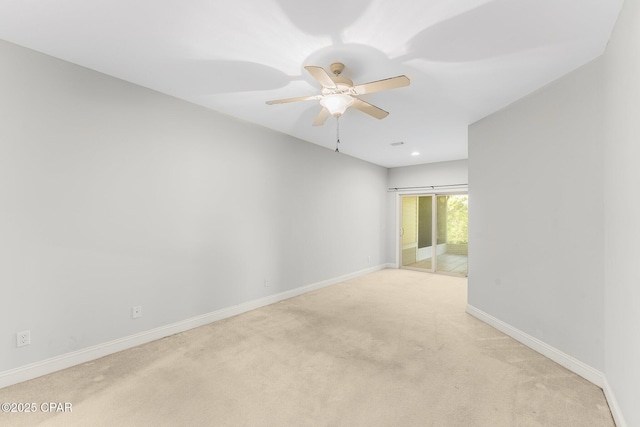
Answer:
(321, 76)
(300, 98)
(371, 110)
(321, 117)
(386, 84)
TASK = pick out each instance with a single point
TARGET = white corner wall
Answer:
(622, 212)
(112, 195)
(536, 216)
(538, 172)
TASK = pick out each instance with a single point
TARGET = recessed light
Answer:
(415, 153)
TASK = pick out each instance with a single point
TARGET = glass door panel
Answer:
(409, 230)
(417, 232)
(453, 238)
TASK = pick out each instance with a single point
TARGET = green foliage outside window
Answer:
(458, 219)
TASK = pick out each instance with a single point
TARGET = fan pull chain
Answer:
(337, 134)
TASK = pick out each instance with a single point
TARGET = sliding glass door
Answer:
(434, 233)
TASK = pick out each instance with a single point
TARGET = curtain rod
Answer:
(428, 187)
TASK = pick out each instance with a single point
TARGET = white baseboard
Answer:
(585, 371)
(561, 358)
(613, 405)
(67, 360)
(392, 265)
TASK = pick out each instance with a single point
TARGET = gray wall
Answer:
(622, 211)
(442, 173)
(559, 170)
(112, 196)
(536, 215)
(432, 174)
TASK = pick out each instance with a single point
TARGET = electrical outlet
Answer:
(136, 312)
(23, 338)
(369, 259)
(266, 283)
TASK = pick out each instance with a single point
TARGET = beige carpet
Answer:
(394, 348)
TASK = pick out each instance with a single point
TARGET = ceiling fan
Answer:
(339, 93)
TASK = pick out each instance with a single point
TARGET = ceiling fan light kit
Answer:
(337, 104)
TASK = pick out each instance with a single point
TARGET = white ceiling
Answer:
(465, 58)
